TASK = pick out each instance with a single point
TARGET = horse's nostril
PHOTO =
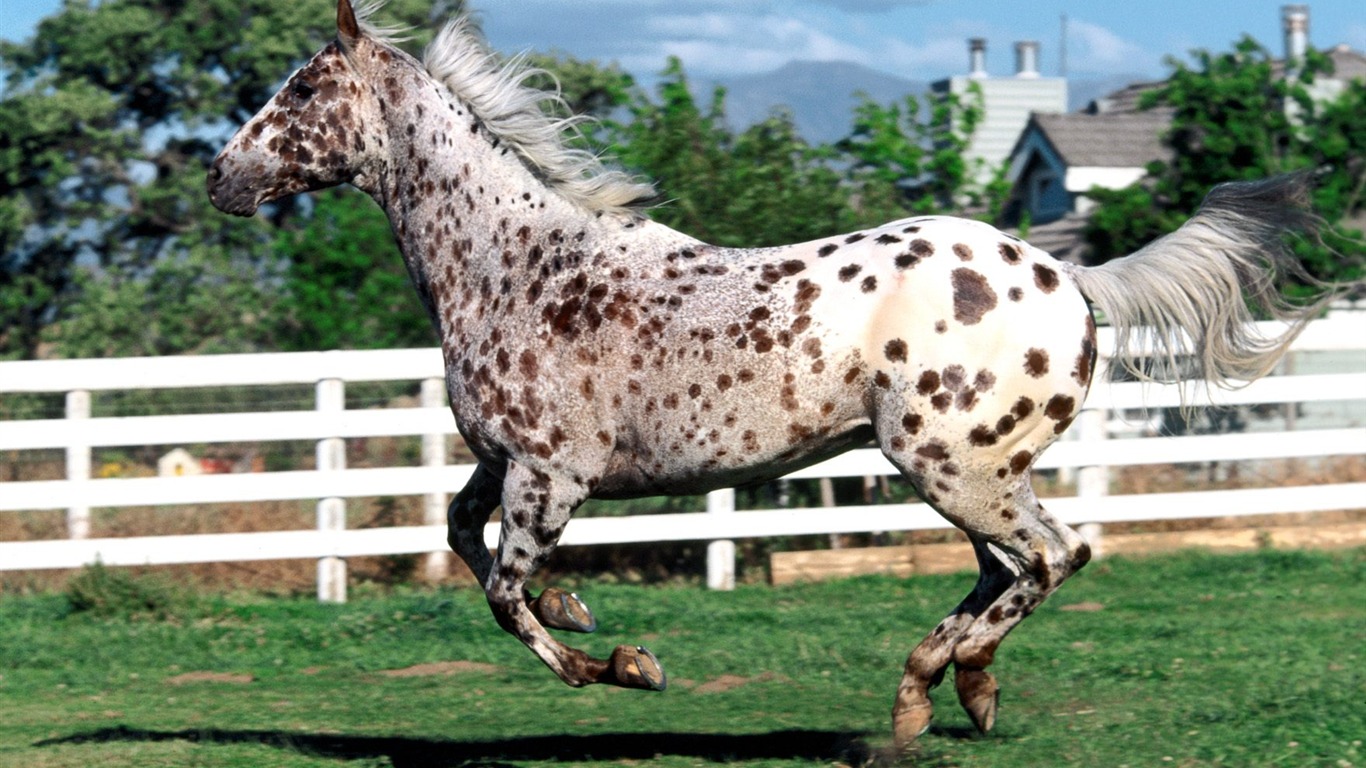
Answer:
(215, 173)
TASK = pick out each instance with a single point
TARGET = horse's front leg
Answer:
(466, 517)
(536, 508)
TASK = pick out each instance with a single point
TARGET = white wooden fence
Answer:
(1090, 449)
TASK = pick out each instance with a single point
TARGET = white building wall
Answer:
(1006, 105)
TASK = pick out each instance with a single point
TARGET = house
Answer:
(1059, 157)
(1006, 102)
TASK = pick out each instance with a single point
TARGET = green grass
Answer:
(1194, 660)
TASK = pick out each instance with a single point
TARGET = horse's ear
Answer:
(348, 29)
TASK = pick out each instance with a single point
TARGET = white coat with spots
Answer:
(591, 352)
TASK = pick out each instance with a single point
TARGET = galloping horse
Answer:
(591, 352)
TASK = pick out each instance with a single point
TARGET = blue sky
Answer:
(917, 39)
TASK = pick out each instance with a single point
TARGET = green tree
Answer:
(109, 117)
(1236, 116)
(345, 285)
(762, 186)
(909, 157)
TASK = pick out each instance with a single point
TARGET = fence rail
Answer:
(1090, 448)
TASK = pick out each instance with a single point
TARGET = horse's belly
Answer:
(677, 468)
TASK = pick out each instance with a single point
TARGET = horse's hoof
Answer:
(635, 667)
(558, 609)
(910, 723)
(979, 695)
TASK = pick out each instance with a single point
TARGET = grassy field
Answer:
(1187, 660)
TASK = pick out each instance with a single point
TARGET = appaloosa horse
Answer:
(591, 352)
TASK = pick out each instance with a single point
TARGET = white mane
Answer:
(511, 110)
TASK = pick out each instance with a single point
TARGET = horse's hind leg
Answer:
(1024, 554)
(1044, 553)
(469, 511)
(536, 508)
(926, 665)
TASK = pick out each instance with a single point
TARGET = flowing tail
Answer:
(1191, 296)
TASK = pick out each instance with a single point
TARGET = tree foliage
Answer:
(763, 186)
(109, 117)
(345, 285)
(911, 156)
(1236, 116)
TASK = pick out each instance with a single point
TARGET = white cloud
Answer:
(1355, 36)
(717, 38)
(1094, 49)
(737, 40)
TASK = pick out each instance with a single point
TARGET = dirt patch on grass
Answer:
(210, 677)
(1082, 607)
(731, 682)
(439, 668)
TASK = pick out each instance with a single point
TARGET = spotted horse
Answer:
(593, 353)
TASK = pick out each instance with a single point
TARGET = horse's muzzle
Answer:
(227, 192)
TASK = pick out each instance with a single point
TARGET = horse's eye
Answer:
(303, 91)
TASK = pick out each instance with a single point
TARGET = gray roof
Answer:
(1348, 65)
(1111, 140)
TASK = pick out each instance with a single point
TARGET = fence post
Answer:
(721, 554)
(78, 465)
(331, 398)
(1093, 482)
(437, 564)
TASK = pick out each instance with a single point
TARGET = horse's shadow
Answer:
(847, 747)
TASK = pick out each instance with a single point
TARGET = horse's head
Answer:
(321, 129)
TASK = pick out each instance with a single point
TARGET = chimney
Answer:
(977, 57)
(1027, 58)
(1295, 20)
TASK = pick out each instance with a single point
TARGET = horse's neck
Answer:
(472, 220)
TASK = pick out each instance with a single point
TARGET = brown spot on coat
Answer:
(1036, 362)
(982, 435)
(1086, 359)
(962, 251)
(972, 296)
(933, 450)
(869, 284)
(1059, 408)
(1021, 461)
(1010, 252)
(984, 380)
(1046, 278)
(954, 377)
(895, 351)
(928, 383)
(912, 422)
(527, 364)
(850, 272)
